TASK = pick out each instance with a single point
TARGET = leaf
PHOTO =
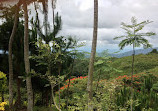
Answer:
(46, 85)
(98, 62)
(132, 36)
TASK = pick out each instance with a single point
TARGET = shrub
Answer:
(2, 106)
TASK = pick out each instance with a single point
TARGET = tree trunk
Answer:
(91, 63)
(52, 89)
(53, 3)
(132, 78)
(18, 93)
(26, 60)
(45, 23)
(10, 57)
(59, 70)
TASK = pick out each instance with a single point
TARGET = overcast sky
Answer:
(77, 16)
(77, 19)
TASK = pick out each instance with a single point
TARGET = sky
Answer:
(77, 16)
(77, 20)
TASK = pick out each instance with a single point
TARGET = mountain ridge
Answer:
(137, 52)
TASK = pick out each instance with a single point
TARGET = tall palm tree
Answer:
(91, 63)
(135, 39)
(45, 12)
(26, 60)
(53, 8)
(50, 35)
(16, 17)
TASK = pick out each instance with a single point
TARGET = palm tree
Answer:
(50, 35)
(53, 8)
(16, 16)
(91, 63)
(135, 39)
(45, 12)
(26, 60)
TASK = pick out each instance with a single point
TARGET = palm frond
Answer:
(141, 25)
(125, 25)
(146, 34)
(133, 21)
(124, 43)
(133, 37)
(119, 37)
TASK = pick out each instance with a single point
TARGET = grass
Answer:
(143, 63)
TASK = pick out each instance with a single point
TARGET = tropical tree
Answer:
(26, 60)
(53, 8)
(92, 58)
(16, 16)
(49, 34)
(56, 58)
(135, 38)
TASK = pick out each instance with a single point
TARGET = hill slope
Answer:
(143, 63)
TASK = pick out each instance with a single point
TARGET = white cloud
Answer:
(77, 18)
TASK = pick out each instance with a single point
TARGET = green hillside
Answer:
(143, 63)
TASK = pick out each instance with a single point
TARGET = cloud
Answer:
(77, 18)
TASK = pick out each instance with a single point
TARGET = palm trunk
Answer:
(10, 57)
(92, 58)
(53, 3)
(132, 78)
(45, 11)
(18, 93)
(54, 37)
(26, 60)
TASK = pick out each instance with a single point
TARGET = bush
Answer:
(2, 106)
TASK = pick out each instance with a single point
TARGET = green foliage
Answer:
(51, 34)
(78, 96)
(44, 109)
(113, 94)
(143, 63)
(133, 36)
(103, 66)
(154, 51)
(144, 98)
(3, 82)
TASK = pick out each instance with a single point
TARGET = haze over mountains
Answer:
(129, 53)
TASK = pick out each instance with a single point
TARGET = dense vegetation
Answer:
(47, 72)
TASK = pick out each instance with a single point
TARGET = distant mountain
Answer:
(138, 51)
